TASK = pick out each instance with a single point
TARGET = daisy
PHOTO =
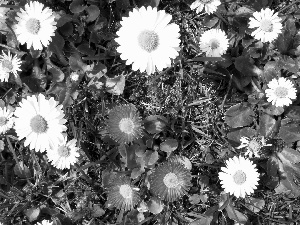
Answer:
(169, 181)
(239, 177)
(9, 64)
(45, 222)
(35, 25)
(268, 25)
(280, 92)
(74, 77)
(64, 155)
(41, 122)
(147, 40)
(124, 124)
(122, 194)
(214, 43)
(253, 145)
(210, 6)
(6, 120)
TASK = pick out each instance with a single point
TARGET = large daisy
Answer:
(268, 25)
(239, 177)
(214, 42)
(210, 6)
(147, 40)
(281, 92)
(41, 122)
(6, 120)
(35, 25)
(9, 64)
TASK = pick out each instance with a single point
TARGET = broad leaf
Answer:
(246, 66)
(289, 131)
(93, 12)
(77, 6)
(169, 145)
(236, 215)
(268, 126)
(239, 115)
(155, 124)
(234, 135)
(115, 85)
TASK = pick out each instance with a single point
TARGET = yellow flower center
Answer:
(126, 125)
(3, 121)
(171, 180)
(64, 151)
(125, 191)
(254, 145)
(7, 65)
(266, 25)
(214, 44)
(281, 92)
(148, 40)
(239, 177)
(33, 26)
(38, 124)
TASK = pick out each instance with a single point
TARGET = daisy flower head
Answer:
(45, 222)
(280, 92)
(35, 25)
(122, 194)
(268, 25)
(74, 77)
(147, 40)
(253, 145)
(6, 120)
(41, 121)
(9, 64)
(210, 6)
(124, 124)
(239, 177)
(170, 180)
(214, 43)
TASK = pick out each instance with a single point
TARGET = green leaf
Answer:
(115, 85)
(56, 46)
(244, 11)
(210, 20)
(288, 63)
(57, 74)
(268, 126)
(169, 145)
(32, 214)
(152, 3)
(77, 6)
(76, 63)
(155, 205)
(93, 12)
(285, 39)
(289, 132)
(246, 66)
(63, 20)
(254, 204)
(239, 115)
(293, 112)
(270, 71)
(155, 124)
(85, 49)
(22, 170)
(236, 215)
(234, 135)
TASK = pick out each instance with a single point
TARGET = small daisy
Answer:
(64, 155)
(35, 25)
(9, 64)
(239, 177)
(183, 160)
(124, 124)
(210, 6)
(268, 25)
(45, 222)
(253, 145)
(147, 40)
(169, 181)
(41, 122)
(214, 43)
(280, 92)
(6, 120)
(122, 194)
(74, 77)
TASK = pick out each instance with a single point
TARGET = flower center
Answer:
(7, 65)
(64, 151)
(171, 180)
(254, 145)
(74, 77)
(38, 124)
(148, 40)
(126, 125)
(33, 26)
(3, 121)
(214, 44)
(281, 92)
(126, 191)
(266, 25)
(239, 177)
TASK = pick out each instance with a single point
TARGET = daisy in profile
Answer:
(182, 160)
(45, 222)
(124, 124)
(9, 64)
(169, 181)
(147, 40)
(253, 145)
(268, 25)
(214, 43)
(122, 194)
(35, 25)
(239, 177)
(281, 92)
(210, 6)
(41, 121)
(6, 120)
(64, 155)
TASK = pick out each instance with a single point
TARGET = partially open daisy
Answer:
(147, 40)
(210, 6)
(64, 155)
(214, 43)
(6, 120)
(122, 194)
(281, 92)
(9, 64)
(253, 145)
(169, 181)
(35, 25)
(124, 124)
(239, 177)
(41, 122)
(45, 222)
(268, 25)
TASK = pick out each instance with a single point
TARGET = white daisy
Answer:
(64, 155)
(239, 177)
(41, 122)
(74, 77)
(252, 145)
(210, 6)
(214, 43)
(280, 92)
(9, 64)
(45, 222)
(268, 25)
(6, 120)
(147, 40)
(35, 25)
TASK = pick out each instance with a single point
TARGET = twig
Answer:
(227, 92)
